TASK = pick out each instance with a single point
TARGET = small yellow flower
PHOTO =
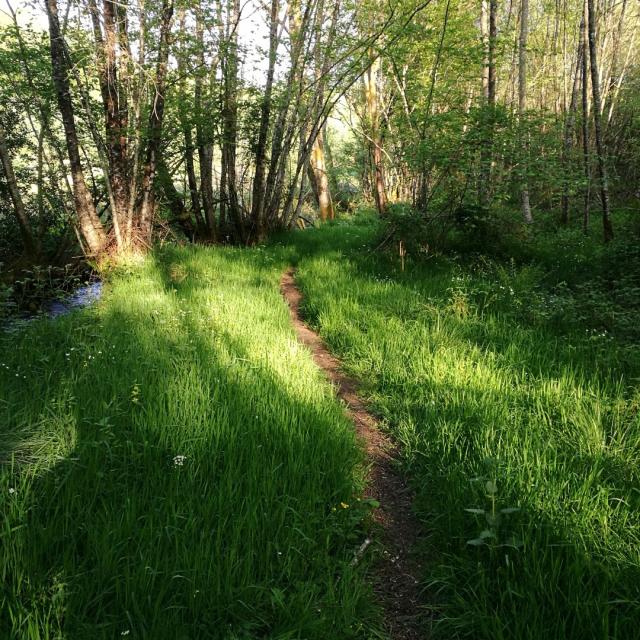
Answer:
(344, 505)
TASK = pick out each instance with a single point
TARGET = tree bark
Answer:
(258, 193)
(91, 228)
(204, 139)
(597, 121)
(488, 23)
(522, 107)
(116, 116)
(229, 203)
(186, 126)
(585, 126)
(373, 115)
(179, 212)
(156, 116)
(484, 37)
(28, 240)
(318, 158)
(321, 181)
(568, 131)
(138, 95)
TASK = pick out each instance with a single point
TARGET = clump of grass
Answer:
(171, 461)
(521, 434)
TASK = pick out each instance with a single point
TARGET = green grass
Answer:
(515, 395)
(172, 461)
(521, 434)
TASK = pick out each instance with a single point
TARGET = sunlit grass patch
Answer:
(521, 435)
(171, 460)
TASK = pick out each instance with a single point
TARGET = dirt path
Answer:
(396, 583)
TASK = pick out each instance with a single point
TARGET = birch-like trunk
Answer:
(204, 138)
(229, 202)
(115, 108)
(91, 229)
(597, 121)
(258, 193)
(522, 107)
(569, 131)
(156, 117)
(321, 178)
(373, 116)
(586, 161)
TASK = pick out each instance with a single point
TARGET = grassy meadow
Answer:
(520, 425)
(173, 466)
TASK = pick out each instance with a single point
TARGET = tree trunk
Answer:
(321, 181)
(568, 130)
(318, 159)
(278, 198)
(373, 115)
(186, 126)
(522, 107)
(229, 204)
(585, 126)
(116, 116)
(91, 228)
(30, 244)
(484, 37)
(597, 120)
(422, 200)
(179, 213)
(488, 23)
(203, 137)
(156, 116)
(493, 36)
(620, 77)
(613, 71)
(258, 194)
(138, 95)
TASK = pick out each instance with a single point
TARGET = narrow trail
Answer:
(395, 581)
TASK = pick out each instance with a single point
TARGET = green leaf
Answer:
(476, 542)
(491, 487)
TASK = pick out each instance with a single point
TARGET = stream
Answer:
(83, 296)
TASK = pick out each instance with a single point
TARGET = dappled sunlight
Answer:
(201, 470)
(174, 456)
(477, 396)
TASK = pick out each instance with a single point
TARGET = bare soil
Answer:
(396, 570)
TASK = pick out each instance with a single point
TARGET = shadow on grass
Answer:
(195, 496)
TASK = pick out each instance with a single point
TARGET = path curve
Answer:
(396, 584)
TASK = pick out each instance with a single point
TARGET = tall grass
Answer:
(521, 436)
(173, 466)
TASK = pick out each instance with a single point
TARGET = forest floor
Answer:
(174, 464)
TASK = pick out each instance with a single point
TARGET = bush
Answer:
(541, 274)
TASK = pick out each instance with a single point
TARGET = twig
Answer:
(385, 240)
(360, 552)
